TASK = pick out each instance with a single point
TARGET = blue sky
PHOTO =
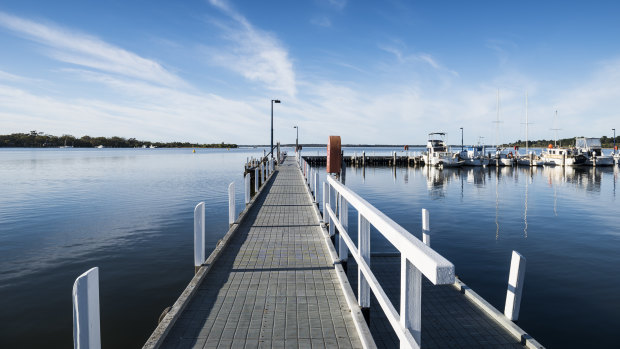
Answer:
(372, 72)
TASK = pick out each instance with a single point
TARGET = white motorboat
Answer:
(437, 152)
(592, 150)
(474, 156)
(562, 157)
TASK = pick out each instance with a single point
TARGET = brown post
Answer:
(334, 157)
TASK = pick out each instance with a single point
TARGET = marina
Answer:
(555, 190)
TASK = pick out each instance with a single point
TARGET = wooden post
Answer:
(411, 300)
(515, 286)
(263, 168)
(86, 320)
(364, 158)
(231, 204)
(426, 230)
(199, 235)
(564, 159)
(363, 242)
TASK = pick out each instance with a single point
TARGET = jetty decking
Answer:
(275, 283)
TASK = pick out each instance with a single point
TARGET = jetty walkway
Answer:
(275, 281)
(274, 285)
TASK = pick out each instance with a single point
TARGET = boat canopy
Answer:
(588, 143)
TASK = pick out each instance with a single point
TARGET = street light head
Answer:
(294, 126)
(275, 100)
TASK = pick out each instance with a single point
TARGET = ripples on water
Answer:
(130, 212)
(127, 211)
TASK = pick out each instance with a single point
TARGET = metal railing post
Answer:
(363, 242)
(515, 286)
(231, 203)
(426, 230)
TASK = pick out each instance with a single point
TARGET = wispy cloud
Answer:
(321, 21)
(416, 57)
(337, 4)
(91, 52)
(253, 53)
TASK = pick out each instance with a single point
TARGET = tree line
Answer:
(36, 139)
(606, 142)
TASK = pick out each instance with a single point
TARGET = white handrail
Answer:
(434, 266)
(416, 259)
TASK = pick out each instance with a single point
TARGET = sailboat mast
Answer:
(526, 127)
(497, 123)
(556, 130)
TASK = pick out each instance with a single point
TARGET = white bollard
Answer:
(86, 326)
(515, 286)
(256, 186)
(248, 194)
(325, 218)
(231, 203)
(426, 228)
(199, 235)
(316, 186)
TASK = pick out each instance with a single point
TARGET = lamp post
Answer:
(461, 139)
(272, 101)
(296, 139)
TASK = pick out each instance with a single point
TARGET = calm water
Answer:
(63, 211)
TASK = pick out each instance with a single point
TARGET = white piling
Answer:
(248, 194)
(231, 203)
(515, 286)
(426, 228)
(316, 186)
(325, 216)
(256, 179)
(199, 235)
(86, 325)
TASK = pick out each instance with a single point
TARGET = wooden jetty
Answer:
(370, 160)
(276, 280)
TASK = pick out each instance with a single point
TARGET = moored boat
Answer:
(437, 152)
(592, 150)
(562, 156)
